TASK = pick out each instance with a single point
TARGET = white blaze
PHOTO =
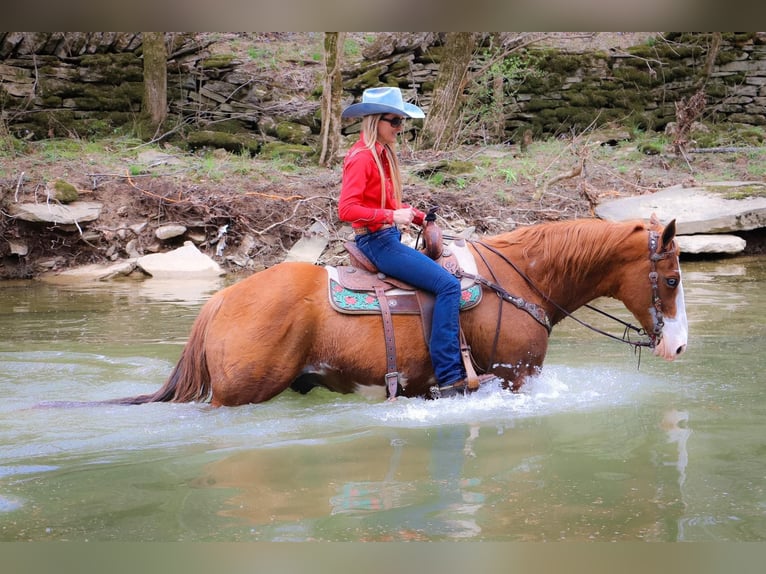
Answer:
(675, 330)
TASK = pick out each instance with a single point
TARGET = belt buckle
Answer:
(392, 384)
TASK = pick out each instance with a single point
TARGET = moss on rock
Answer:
(235, 143)
(64, 191)
(218, 61)
(290, 152)
(292, 132)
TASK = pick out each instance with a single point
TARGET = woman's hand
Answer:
(403, 216)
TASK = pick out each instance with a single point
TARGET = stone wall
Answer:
(84, 84)
(564, 90)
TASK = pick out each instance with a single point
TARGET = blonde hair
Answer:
(369, 136)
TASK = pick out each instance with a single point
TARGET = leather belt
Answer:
(392, 378)
(366, 231)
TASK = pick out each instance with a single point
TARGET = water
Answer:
(598, 447)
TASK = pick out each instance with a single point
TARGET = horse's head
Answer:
(658, 301)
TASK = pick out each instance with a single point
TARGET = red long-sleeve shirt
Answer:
(360, 192)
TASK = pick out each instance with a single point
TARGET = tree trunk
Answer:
(497, 113)
(332, 94)
(155, 104)
(712, 54)
(440, 126)
(689, 110)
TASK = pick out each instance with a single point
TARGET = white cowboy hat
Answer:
(384, 100)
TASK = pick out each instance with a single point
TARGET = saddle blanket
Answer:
(359, 297)
(400, 301)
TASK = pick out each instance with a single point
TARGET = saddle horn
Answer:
(433, 245)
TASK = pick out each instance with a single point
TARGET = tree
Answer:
(689, 110)
(332, 94)
(440, 124)
(477, 76)
(155, 103)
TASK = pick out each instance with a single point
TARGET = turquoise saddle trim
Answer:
(367, 302)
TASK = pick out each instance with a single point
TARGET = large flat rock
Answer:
(186, 261)
(715, 207)
(92, 272)
(711, 243)
(75, 212)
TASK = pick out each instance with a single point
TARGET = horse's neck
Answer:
(566, 277)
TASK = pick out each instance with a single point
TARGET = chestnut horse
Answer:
(256, 338)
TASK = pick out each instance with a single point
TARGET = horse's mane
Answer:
(566, 247)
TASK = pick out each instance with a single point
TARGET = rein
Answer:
(539, 314)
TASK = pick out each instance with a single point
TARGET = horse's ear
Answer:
(668, 234)
(654, 221)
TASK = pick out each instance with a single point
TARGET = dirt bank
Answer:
(247, 212)
(260, 209)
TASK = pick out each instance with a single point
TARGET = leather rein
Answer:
(538, 313)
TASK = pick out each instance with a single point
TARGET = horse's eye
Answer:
(671, 282)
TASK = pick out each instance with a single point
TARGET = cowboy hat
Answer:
(385, 100)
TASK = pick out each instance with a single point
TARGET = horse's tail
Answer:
(190, 379)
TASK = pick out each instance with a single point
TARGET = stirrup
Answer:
(437, 392)
(461, 387)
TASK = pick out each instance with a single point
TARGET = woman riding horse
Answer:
(371, 200)
(277, 328)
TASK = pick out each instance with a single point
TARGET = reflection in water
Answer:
(678, 434)
(523, 482)
(674, 423)
(412, 490)
(458, 500)
(364, 496)
(189, 291)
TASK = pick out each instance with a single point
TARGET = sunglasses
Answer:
(395, 122)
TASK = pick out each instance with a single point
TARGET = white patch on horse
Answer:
(675, 331)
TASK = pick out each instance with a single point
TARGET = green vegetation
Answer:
(493, 90)
(740, 192)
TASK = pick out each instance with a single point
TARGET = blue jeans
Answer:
(385, 249)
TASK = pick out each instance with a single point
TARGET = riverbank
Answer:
(247, 212)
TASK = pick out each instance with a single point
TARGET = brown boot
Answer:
(459, 387)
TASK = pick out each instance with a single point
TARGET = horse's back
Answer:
(289, 293)
(284, 280)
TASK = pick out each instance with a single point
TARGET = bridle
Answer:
(536, 311)
(654, 257)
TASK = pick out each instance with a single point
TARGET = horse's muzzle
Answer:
(667, 350)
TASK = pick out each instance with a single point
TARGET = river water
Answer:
(604, 445)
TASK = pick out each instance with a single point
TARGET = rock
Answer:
(287, 152)
(131, 248)
(93, 272)
(311, 245)
(718, 243)
(152, 158)
(715, 207)
(242, 256)
(186, 261)
(19, 248)
(137, 228)
(292, 132)
(169, 231)
(75, 212)
(62, 191)
(197, 237)
(235, 143)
